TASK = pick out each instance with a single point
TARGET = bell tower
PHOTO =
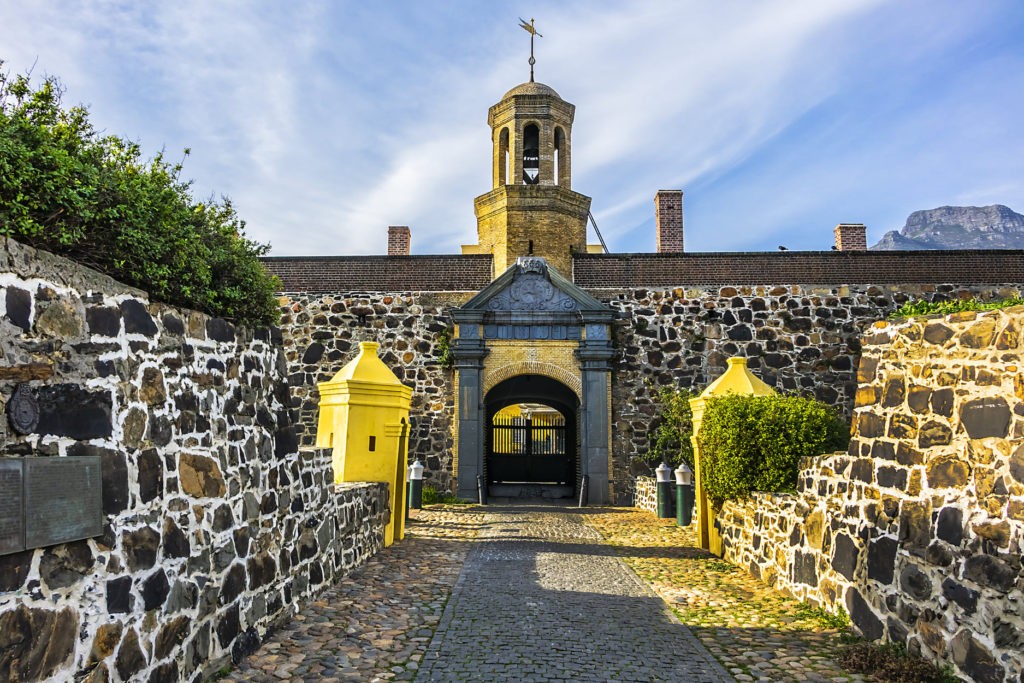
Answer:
(531, 210)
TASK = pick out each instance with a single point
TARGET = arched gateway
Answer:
(531, 357)
(530, 440)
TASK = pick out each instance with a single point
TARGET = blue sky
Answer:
(327, 121)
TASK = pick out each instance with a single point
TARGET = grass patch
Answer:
(825, 619)
(432, 496)
(915, 308)
(718, 566)
(891, 663)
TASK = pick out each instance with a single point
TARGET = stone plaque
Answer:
(12, 517)
(63, 500)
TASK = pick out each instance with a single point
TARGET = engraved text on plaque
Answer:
(12, 515)
(63, 500)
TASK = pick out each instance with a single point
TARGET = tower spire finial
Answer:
(532, 30)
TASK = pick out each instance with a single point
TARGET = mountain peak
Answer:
(958, 227)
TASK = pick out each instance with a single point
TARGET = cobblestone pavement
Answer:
(375, 624)
(758, 633)
(542, 598)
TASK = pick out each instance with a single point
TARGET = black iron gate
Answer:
(534, 450)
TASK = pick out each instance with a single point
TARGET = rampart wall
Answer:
(322, 332)
(216, 524)
(682, 316)
(917, 531)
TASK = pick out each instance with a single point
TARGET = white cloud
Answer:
(326, 122)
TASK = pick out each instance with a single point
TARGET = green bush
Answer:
(670, 442)
(921, 307)
(66, 189)
(754, 443)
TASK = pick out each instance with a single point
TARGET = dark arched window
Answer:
(531, 154)
(503, 157)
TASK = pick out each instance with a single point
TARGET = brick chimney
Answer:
(851, 237)
(668, 221)
(398, 240)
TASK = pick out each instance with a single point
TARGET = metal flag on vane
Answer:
(532, 30)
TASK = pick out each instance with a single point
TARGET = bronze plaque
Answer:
(12, 512)
(63, 500)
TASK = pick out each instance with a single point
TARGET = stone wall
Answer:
(322, 332)
(645, 494)
(215, 523)
(802, 339)
(918, 530)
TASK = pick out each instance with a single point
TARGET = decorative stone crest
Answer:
(23, 410)
(532, 291)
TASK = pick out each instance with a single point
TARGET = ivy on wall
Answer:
(922, 307)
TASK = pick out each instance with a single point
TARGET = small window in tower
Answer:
(531, 154)
(530, 248)
(558, 154)
(373, 443)
(503, 176)
(561, 158)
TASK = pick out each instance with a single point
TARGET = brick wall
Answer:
(624, 271)
(317, 274)
(797, 267)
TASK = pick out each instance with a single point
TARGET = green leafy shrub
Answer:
(67, 189)
(670, 442)
(754, 443)
(921, 307)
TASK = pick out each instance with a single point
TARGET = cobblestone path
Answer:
(375, 624)
(536, 594)
(758, 633)
(542, 598)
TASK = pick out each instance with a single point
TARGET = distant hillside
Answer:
(958, 227)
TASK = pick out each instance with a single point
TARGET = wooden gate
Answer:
(533, 450)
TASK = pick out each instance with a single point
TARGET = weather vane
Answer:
(531, 29)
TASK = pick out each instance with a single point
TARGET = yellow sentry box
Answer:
(364, 420)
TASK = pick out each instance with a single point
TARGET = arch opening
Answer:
(531, 440)
(561, 169)
(503, 157)
(531, 154)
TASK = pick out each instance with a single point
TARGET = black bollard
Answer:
(481, 489)
(664, 491)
